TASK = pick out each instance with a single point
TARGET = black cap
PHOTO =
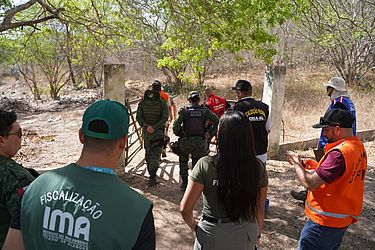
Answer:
(335, 117)
(242, 85)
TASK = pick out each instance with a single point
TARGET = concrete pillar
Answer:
(273, 96)
(114, 82)
(114, 88)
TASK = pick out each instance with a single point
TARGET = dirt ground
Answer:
(51, 140)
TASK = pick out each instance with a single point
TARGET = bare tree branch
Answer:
(9, 14)
(345, 29)
(49, 12)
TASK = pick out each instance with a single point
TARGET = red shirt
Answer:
(332, 167)
(216, 104)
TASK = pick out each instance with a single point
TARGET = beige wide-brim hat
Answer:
(337, 83)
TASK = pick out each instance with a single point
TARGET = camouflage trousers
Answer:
(153, 145)
(197, 147)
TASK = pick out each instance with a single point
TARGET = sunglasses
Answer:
(18, 133)
(329, 123)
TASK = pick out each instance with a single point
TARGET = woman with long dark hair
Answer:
(234, 185)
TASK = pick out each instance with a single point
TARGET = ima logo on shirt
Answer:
(65, 223)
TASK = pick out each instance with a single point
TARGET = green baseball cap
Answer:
(112, 116)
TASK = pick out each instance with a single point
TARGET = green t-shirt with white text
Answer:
(205, 173)
(77, 208)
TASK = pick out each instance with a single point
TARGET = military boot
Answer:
(152, 181)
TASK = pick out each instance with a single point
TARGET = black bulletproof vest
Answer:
(194, 123)
(258, 113)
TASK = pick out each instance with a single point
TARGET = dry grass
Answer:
(305, 99)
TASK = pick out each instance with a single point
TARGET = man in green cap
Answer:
(13, 177)
(152, 116)
(85, 205)
(191, 127)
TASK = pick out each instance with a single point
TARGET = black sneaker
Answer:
(301, 195)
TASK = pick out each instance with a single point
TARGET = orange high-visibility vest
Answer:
(165, 96)
(337, 204)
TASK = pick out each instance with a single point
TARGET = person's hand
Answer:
(293, 158)
(150, 129)
(258, 243)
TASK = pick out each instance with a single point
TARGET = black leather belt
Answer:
(219, 220)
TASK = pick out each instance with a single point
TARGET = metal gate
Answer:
(135, 139)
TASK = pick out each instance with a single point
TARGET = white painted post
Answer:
(273, 96)
(114, 88)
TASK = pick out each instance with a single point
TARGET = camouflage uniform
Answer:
(194, 145)
(13, 178)
(155, 115)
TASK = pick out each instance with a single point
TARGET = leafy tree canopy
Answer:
(183, 37)
(346, 31)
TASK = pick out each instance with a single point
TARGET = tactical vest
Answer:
(194, 121)
(152, 107)
(257, 112)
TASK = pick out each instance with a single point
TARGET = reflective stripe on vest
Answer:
(334, 215)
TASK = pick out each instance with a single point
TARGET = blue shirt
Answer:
(340, 102)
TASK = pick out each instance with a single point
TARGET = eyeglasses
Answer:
(324, 121)
(18, 133)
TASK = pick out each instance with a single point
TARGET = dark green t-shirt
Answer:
(13, 177)
(205, 173)
(77, 208)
